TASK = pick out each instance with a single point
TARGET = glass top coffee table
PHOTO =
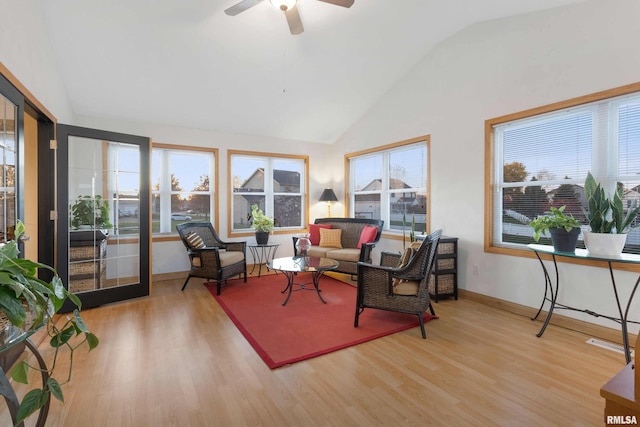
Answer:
(290, 266)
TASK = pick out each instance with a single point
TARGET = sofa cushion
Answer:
(331, 238)
(367, 235)
(345, 254)
(318, 251)
(314, 232)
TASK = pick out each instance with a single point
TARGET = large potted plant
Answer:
(607, 219)
(27, 304)
(563, 228)
(90, 212)
(262, 225)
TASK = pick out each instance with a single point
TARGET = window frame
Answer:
(491, 174)
(213, 187)
(385, 150)
(268, 191)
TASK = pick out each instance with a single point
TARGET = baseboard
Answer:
(590, 329)
(170, 276)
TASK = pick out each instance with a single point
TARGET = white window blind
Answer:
(542, 161)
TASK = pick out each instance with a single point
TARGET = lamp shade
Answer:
(328, 196)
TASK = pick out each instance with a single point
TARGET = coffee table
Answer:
(291, 266)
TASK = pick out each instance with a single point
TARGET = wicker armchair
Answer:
(402, 289)
(210, 257)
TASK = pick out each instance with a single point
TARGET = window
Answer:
(390, 183)
(183, 186)
(541, 159)
(276, 183)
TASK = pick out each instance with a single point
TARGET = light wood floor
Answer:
(175, 359)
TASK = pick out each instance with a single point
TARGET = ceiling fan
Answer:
(288, 7)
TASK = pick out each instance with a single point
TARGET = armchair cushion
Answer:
(406, 287)
(367, 235)
(403, 286)
(330, 238)
(314, 232)
(194, 240)
(230, 258)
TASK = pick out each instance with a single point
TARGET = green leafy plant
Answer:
(260, 222)
(92, 211)
(607, 215)
(412, 232)
(554, 218)
(30, 303)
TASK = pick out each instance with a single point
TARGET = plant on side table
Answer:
(563, 228)
(607, 219)
(29, 303)
(262, 224)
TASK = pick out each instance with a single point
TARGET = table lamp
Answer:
(328, 196)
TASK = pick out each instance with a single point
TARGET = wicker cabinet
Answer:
(87, 261)
(444, 277)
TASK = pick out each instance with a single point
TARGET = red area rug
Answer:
(305, 327)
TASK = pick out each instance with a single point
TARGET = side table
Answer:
(262, 254)
(13, 338)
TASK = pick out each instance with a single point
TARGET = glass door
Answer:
(103, 212)
(11, 118)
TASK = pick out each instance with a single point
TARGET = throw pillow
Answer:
(367, 235)
(194, 241)
(330, 238)
(314, 232)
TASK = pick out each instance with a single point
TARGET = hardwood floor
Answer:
(175, 359)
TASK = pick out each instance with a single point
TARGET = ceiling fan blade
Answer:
(241, 7)
(294, 21)
(343, 3)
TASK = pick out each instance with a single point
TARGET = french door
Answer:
(103, 214)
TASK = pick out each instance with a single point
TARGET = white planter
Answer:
(604, 245)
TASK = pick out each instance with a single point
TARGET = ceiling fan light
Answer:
(283, 5)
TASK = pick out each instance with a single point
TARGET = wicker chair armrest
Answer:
(193, 251)
(209, 257)
(365, 251)
(366, 265)
(389, 259)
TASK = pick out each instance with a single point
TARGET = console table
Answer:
(551, 289)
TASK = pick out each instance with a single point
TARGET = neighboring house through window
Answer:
(276, 183)
(391, 183)
(540, 158)
(183, 186)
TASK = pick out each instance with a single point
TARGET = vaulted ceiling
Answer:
(187, 63)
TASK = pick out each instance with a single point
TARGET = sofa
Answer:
(353, 242)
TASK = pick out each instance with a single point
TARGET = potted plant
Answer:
(262, 225)
(607, 219)
(28, 303)
(90, 212)
(563, 228)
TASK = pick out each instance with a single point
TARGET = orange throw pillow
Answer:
(331, 238)
(314, 232)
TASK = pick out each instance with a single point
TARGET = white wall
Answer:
(25, 50)
(324, 171)
(492, 69)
